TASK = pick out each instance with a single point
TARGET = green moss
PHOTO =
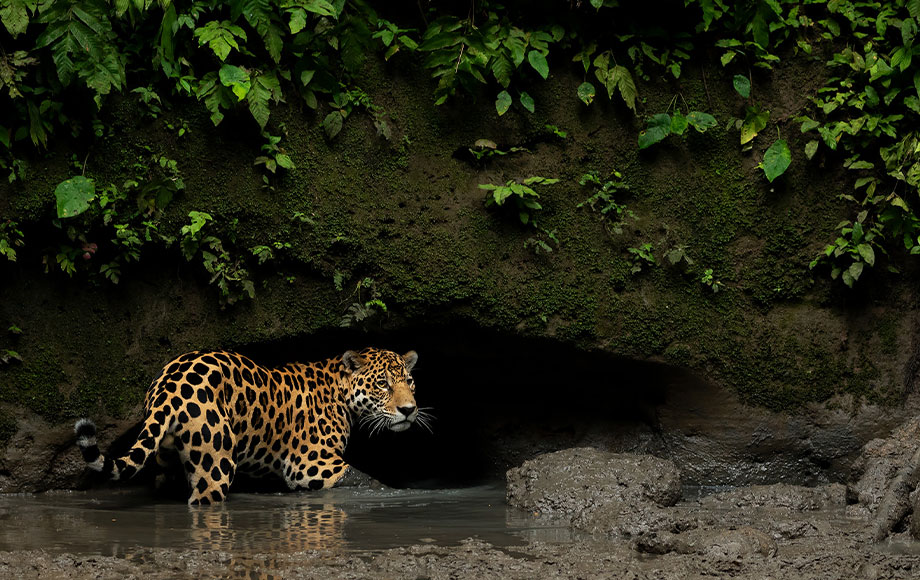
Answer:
(408, 214)
(888, 333)
(7, 428)
(679, 355)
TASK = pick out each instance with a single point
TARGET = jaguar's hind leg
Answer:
(210, 474)
(208, 462)
(166, 458)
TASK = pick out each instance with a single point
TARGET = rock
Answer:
(567, 482)
(618, 494)
(880, 461)
(39, 457)
(889, 476)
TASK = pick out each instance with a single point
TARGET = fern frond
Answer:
(261, 16)
(265, 87)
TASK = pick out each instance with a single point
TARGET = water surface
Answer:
(115, 522)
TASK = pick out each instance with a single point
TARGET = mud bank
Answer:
(735, 539)
(627, 519)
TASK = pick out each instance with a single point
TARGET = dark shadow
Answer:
(497, 400)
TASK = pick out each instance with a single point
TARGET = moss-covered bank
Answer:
(408, 213)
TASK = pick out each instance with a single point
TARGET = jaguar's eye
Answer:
(383, 384)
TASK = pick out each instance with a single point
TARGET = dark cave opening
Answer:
(497, 401)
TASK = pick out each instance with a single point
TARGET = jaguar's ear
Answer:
(352, 361)
(410, 358)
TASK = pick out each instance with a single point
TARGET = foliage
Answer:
(853, 250)
(367, 304)
(662, 125)
(62, 61)
(461, 53)
(273, 155)
(485, 149)
(74, 195)
(867, 111)
(613, 213)
(776, 160)
(227, 272)
(267, 253)
(642, 256)
(523, 195)
(542, 243)
(11, 237)
(7, 356)
(709, 280)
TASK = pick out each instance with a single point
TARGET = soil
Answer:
(633, 524)
(740, 534)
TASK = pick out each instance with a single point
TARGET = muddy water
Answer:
(114, 522)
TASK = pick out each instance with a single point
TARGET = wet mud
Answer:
(577, 513)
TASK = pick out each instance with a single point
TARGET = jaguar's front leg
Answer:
(317, 471)
(352, 477)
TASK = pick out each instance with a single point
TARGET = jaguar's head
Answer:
(382, 392)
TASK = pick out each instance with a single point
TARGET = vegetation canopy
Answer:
(61, 62)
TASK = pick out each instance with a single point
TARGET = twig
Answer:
(706, 87)
(459, 58)
(422, 13)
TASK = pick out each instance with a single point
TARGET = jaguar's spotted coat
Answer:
(222, 413)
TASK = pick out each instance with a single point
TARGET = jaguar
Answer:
(223, 414)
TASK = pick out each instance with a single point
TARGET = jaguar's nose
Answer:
(407, 410)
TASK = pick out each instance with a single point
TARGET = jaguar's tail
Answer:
(121, 467)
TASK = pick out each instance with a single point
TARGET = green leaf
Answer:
(679, 123)
(754, 122)
(220, 37)
(541, 180)
(701, 121)
(527, 101)
(913, 7)
(625, 85)
(810, 148)
(298, 20)
(776, 160)
(332, 124)
(858, 232)
(538, 62)
(899, 202)
(236, 79)
(855, 270)
(586, 93)
(265, 87)
(847, 277)
(321, 7)
(503, 103)
(807, 124)
(14, 15)
(501, 70)
(867, 253)
(73, 196)
(659, 127)
(742, 85)
(284, 161)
